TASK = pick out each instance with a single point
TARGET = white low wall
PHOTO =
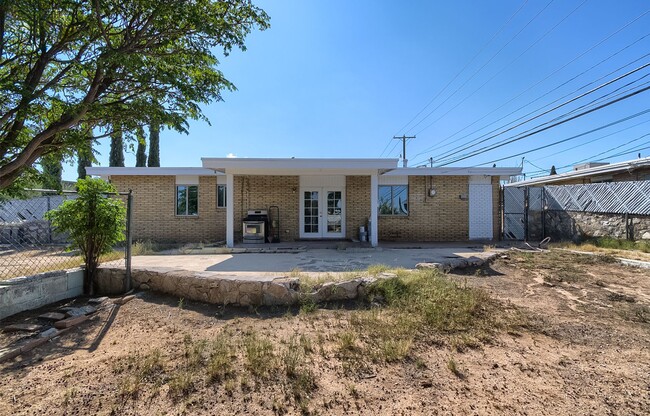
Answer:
(31, 292)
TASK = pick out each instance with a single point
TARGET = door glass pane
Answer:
(310, 199)
(334, 206)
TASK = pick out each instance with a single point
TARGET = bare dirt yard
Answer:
(532, 333)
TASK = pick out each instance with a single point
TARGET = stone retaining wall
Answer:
(576, 226)
(232, 290)
(25, 293)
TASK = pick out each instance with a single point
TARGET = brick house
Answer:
(312, 199)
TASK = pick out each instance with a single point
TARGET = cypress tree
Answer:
(116, 157)
(154, 145)
(140, 155)
(52, 171)
(84, 159)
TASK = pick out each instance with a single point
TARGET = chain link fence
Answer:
(30, 245)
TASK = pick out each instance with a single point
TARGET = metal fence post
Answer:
(129, 240)
(526, 202)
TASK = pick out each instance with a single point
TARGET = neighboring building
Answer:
(312, 199)
(630, 170)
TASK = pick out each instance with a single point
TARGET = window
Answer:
(187, 200)
(394, 200)
(221, 196)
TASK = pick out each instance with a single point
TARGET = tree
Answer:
(140, 155)
(94, 222)
(84, 158)
(116, 158)
(553, 171)
(52, 170)
(154, 145)
(109, 62)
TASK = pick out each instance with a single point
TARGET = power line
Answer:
(465, 67)
(549, 76)
(584, 113)
(440, 145)
(591, 141)
(466, 147)
(481, 68)
(498, 72)
(572, 137)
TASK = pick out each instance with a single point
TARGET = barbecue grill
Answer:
(255, 226)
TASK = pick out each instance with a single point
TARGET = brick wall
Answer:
(444, 217)
(357, 201)
(154, 217)
(260, 192)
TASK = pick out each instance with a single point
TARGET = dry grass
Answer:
(634, 250)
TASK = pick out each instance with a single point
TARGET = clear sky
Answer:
(339, 78)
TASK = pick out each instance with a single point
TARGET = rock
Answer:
(646, 236)
(88, 310)
(52, 316)
(22, 328)
(125, 299)
(144, 286)
(50, 333)
(67, 323)
(71, 312)
(98, 301)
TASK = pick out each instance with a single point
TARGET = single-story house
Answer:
(629, 170)
(311, 199)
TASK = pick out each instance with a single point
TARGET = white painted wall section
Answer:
(374, 210)
(480, 208)
(230, 210)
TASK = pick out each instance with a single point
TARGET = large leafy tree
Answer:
(68, 63)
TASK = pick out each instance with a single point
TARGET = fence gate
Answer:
(514, 213)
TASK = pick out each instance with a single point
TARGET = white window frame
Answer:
(408, 208)
(187, 186)
(225, 195)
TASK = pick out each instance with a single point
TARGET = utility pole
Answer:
(403, 139)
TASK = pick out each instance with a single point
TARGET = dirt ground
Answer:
(582, 348)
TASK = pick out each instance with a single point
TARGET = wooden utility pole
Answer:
(403, 139)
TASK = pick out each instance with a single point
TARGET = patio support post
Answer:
(230, 210)
(374, 201)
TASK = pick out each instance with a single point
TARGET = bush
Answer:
(94, 222)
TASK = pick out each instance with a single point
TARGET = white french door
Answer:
(322, 212)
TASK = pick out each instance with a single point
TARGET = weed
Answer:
(230, 386)
(376, 269)
(347, 341)
(453, 367)
(391, 350)
(70, 394)
(181, 303)
(307, 305)
(259, 354)
(144, 247)
(220, 362)
(180, 385)
(352, 390)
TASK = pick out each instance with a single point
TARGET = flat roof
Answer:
(627, 165)
(131, 171)
(454, 171)
(224, 163)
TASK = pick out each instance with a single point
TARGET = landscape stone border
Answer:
(216, 288)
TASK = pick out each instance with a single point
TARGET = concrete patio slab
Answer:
(312, 261)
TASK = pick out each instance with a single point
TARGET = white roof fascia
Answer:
(598, 170)
(454, 171)
(131, 171)
(262, 165)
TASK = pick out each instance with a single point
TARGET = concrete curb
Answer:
(460, 263)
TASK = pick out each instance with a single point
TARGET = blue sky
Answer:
(340, 78)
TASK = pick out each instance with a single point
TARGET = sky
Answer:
(339, 79)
